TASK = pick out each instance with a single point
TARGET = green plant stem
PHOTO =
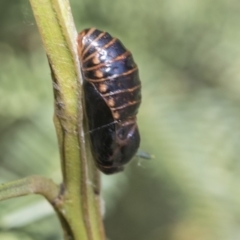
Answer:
(30, 185)
(80, 177)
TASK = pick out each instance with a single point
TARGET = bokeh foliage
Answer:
(188, 53)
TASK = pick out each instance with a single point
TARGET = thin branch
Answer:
(30, 185)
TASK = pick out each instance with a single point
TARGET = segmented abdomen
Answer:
(112, 95)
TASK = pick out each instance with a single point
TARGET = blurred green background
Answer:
(188, 54)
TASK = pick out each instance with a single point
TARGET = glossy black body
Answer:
(112, 91)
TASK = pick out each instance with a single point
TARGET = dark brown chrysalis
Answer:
(112, 91)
